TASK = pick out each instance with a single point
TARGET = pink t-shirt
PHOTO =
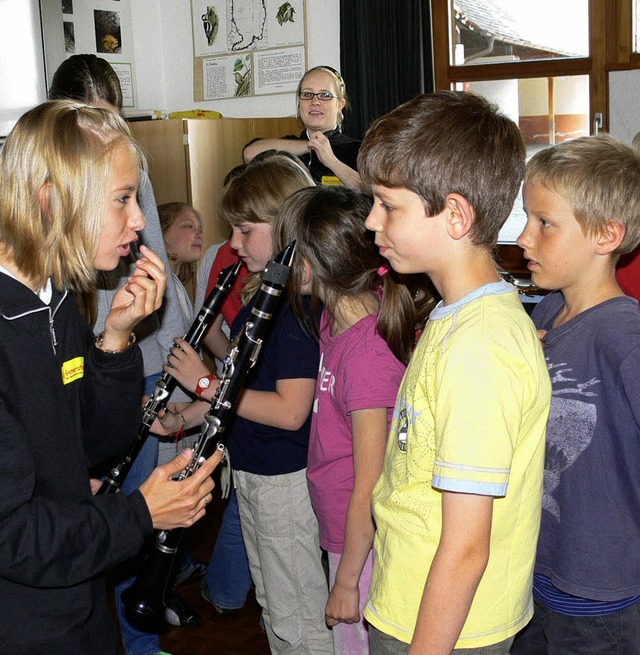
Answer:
(357, 371)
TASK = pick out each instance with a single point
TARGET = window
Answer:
(636, 26)
(491, 31)
(544, 62)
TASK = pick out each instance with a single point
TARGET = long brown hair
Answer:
(327, 224)
(86, 78)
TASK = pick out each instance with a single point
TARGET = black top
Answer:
(344, 147)
(64, 406)
(288, 352)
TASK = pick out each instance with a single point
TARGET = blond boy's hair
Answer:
(599, 176)
(54, 170)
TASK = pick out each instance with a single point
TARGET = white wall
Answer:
(164, 58)
(624, 91)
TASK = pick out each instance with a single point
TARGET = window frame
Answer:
(610, 46)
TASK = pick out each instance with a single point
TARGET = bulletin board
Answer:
(244, 48)
(102, 28)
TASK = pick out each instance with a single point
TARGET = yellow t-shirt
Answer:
(470, 417)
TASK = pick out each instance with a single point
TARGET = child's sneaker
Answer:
(177, 612)
(196, 569)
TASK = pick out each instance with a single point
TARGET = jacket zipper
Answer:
(52, 315)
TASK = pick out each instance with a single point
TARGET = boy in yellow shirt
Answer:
(457, 507)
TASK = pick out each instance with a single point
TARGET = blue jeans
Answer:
(552, 633)
(228, 577)
(137, 642)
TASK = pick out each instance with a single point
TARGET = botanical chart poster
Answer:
(247, 47)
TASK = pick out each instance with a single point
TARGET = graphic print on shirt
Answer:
(403, 428)
(413, 422)
(326, 381)
(572, 423)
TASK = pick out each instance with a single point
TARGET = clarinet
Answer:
(143, 599)
(166, 383)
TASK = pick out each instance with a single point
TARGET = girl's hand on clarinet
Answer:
(167, 422)
(179, 504)
(185, 365)
(179, 416)
(140, 296)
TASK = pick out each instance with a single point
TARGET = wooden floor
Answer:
(237, 634)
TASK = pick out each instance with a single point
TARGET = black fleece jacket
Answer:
(64, 406)
(344, 148)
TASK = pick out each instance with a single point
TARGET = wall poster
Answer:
(247, 48)
(102, 28)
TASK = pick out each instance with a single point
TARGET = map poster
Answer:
(247, 47)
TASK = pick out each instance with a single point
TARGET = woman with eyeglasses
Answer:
(329, 154)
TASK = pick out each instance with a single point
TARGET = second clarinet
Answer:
(143, 599)
(166, 383)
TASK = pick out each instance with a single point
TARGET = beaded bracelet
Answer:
(100, 344)
(180, 430)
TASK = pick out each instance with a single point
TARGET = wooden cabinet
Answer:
(189, 158)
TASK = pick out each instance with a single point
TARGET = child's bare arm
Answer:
(216, 340)
(369, 433)
(287, 407)
(455, 573)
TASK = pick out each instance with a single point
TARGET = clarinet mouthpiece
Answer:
(277, 270)
(228, 275)
(135, 250)
(286, 255)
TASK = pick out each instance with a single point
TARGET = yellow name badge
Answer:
(331, 180)
(72, 370)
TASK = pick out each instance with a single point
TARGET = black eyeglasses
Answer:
(325, 96)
